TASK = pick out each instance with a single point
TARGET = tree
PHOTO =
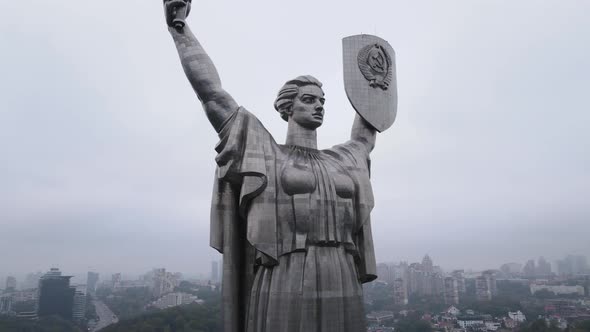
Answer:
(44, 324)
(413, 324)
(583, 326)
(540, 326)
(127, 303)
(193, 318)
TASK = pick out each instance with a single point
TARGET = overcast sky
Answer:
(107, 157)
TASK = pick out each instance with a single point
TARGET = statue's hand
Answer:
(176, 11)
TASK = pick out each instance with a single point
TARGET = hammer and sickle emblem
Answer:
(374, 63)
(377, 60)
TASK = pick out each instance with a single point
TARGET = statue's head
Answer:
(302, 100)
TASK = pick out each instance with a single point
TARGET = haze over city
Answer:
(108, 160)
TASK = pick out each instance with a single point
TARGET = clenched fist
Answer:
(176, 11)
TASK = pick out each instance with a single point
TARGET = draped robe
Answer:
(275, 206)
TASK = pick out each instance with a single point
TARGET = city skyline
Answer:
(79, 277)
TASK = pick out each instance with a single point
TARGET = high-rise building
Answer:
(400, 292)
(10, 284)
(116, 280)
(486, 286)
(459, 276)
(401, 271)
(177, 277)
(32, 280)
(427, 265)
(582, 264)
(423, 278)
(56, 297)
(451, 291)
(543, 268)
(163, 282)
(385, 273)
(438, 285)
(424, 283)
(511, 269)
(5, 304)
(412, 283)
(79, 308)
(573, 265)
(482, 290)
(53, 272)
(388, 272)
(490, 276)
(529, 270)
(91, 282)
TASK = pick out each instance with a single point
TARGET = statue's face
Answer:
(308, 107)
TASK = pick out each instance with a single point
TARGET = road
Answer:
(105, 316)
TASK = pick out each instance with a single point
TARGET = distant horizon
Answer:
(79, 275)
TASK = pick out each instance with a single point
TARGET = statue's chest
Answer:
(303, 172)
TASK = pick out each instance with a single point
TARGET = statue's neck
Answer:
(301, 136)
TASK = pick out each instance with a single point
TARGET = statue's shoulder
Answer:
(349, 147)
(351, 153)
(251, 128)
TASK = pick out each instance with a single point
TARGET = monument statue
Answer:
(292, 222)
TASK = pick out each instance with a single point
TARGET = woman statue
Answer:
(291, 221)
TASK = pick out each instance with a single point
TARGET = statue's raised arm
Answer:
(198, 67)
(363, 132)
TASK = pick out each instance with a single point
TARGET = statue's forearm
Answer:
(197, 65)
(363, 132)
(203, 76)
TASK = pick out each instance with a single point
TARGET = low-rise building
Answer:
(453, 311)
(380, 317)
(517, 316)
(558, 289)
(493, 326)
(563, 308)
(31, 315)
(175, 299)
(561, 323)
(25, 295)
(380, 329)
(470, 321)
(510, 323)
(475, 322)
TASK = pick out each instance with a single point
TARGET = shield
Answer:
(369, 79)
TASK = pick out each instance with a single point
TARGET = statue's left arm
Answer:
(357, 151)
(363, 133)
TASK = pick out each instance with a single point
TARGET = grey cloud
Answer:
(108, 161)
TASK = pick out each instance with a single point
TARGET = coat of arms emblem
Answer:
(369, 79)
(375, 65)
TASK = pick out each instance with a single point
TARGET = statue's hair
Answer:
(289, 91)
